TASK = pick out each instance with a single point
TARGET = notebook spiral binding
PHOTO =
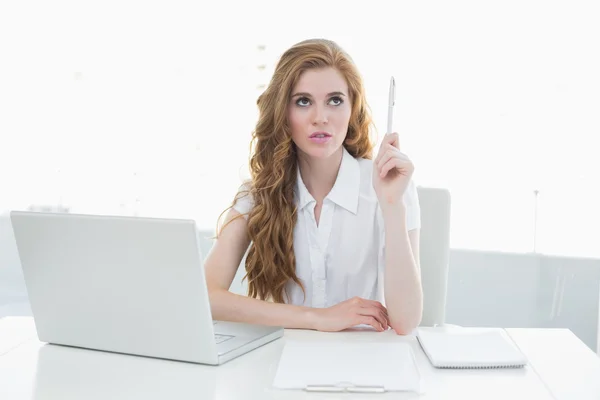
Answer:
(480, 366)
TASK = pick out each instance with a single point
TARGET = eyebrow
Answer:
(304, 94)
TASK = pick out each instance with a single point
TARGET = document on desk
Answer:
(348, 367)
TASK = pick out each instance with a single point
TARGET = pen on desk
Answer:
(391, 102)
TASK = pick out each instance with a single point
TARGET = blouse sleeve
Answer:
(244, 202)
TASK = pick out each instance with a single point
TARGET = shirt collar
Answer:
(345, 190)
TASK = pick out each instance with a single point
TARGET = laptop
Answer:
(128, 285)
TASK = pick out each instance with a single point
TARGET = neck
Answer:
(319, 174)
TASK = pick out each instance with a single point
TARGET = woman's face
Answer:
(319, 112)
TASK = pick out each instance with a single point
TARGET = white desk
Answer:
(561, 367)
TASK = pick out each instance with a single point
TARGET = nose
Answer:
(320, 115)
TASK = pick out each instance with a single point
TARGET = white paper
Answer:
(388, 365)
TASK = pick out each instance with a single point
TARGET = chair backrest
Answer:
(434, 252)
(598, 330)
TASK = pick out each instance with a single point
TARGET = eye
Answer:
(336, 101)
(303, 102)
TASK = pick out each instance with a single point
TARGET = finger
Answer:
(392, 163)
(375, 313)
(384, 313)
(389, 153)
(366, 320)
(399, 152)
(376, 304)
(393, 139)
(383, 319)
(373, 303)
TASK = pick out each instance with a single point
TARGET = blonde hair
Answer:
(271, 263)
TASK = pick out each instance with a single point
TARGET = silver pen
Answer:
(391, 102)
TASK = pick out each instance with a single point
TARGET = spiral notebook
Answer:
(459, 347)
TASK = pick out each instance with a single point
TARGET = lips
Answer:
(320, 138)
(320, 135)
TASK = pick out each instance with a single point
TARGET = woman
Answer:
(332, 233)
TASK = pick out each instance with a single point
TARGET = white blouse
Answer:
(344, 255)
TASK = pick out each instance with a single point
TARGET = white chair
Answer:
(598, 331)
(434, 254)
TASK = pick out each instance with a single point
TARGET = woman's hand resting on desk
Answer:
(352, 312)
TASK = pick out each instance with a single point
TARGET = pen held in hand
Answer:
(391, 102)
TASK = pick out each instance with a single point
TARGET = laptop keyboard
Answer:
(222, 338)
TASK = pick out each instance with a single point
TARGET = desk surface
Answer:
(561, 367)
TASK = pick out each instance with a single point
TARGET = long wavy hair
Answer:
(270, 262)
